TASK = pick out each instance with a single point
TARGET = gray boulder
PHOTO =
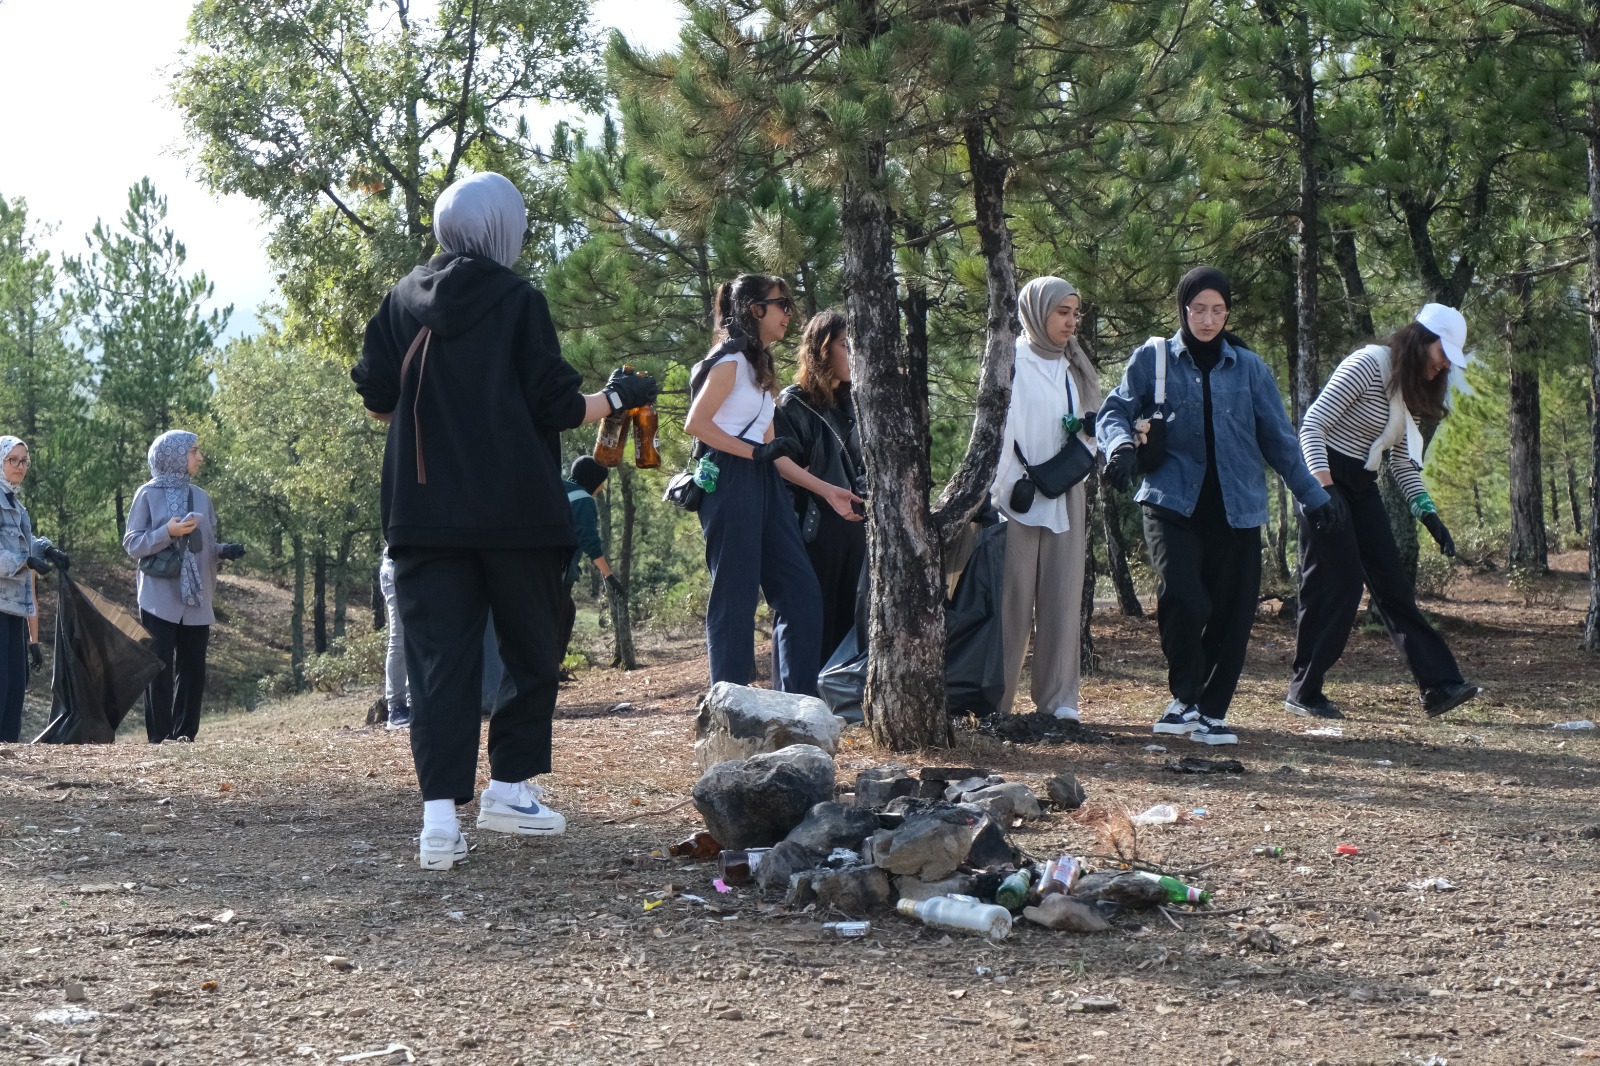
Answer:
(875, 787)
(913, 889)
(1003, 802)
(737, 722)
(834, 825)
(927, 848)
(1065, 791)
(853, 890)
(755, 802)
(781, 863)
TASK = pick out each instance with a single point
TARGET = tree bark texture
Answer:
(621, 619)
(1306, 377)
(319, 602)
(1357, 305)
(1591, 53)
(966, 490)
(1572, 499)
(1087, 660)
(297, 615)
(1528, 546)
(1117, 552)
(905, 701)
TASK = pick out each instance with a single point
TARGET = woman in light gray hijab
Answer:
(1054, 395)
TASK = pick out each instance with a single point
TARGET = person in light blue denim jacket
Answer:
(1203, 454)
(21, 556)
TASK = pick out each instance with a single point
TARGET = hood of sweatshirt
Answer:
(451, 293)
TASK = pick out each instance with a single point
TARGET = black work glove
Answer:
(624, 389)
(230, 551)
(55, 555)
(1154, 449)
(1119, 468)
(1441, 536)
(1332, 516)
(39, 563)
(35, 656)
(614, 583)
(776, 448)
(1088, 425)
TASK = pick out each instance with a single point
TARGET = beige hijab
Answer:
(1037, 299)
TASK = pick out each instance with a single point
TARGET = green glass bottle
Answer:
(1013, 891)
(1177, 891)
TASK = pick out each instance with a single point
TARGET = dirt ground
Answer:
(255, 896)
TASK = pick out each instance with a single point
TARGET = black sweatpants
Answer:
(1208, 578)
(1333, 567)
(172, 702)
(446, 595)
(13, 675)
(837, 553)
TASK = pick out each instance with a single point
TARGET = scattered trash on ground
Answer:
(1435, 884)
(1346, 849)
(1582, 723)
(1323, 731)
(1191, 764)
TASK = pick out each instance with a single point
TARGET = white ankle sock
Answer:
(506, 791)
(440, 815)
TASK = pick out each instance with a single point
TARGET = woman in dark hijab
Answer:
(1217, 418)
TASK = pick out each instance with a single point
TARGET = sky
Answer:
(86, 116)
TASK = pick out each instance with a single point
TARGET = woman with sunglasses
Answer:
(752, 542)
(1369, 407)
(21, 556)
(819, 413)
(1205, 494)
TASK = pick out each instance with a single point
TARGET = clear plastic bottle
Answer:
(1060, 875)
(942, 912)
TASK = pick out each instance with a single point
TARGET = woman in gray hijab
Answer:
(1054, 395)
(171, 514)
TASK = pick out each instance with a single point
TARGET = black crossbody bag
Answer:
(168, 562)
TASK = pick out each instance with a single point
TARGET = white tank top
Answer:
(747, 401)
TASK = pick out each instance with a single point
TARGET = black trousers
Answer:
(446, 596)
(837, 553)
(567, 621)
(1333, 568)
(1208, 578)
(172, 702)
(13, 675)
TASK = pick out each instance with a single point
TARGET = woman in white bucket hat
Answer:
(1370, 407)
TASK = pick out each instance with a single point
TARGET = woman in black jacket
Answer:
(830, 476)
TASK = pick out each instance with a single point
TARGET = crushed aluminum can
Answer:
(847, 929)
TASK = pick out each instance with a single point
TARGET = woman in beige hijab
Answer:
(1053, 396)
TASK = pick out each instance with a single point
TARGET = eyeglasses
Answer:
(1208, 314)
(785, 304)
(10, 461)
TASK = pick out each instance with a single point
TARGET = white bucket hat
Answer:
(1450, 327)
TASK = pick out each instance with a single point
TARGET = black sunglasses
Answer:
(785, 304)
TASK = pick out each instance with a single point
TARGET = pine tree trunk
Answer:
(1307, 376)
(1528, 547)
(341, 587)
(297, 616)
(1280, 538)
(319, 601)
(905, 701)
(622, 564)
(1117, 553)
(1555, 504)
(1591, 53)
(966, 490)
(1357, 306)
(1572, 499)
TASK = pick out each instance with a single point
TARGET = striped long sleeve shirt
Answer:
(1349, 415)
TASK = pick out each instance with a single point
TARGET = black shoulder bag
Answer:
(1055, 475)
(683, 491)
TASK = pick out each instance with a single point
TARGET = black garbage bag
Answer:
(103, 663)
(974, 654)
(843, 680)
(975, 676)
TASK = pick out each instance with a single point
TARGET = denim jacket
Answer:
(1248, 419)
(17, 542)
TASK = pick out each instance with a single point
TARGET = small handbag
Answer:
(684, 492)
(1061, 471)
(168, 562)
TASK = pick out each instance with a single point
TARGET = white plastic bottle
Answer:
(942, 912)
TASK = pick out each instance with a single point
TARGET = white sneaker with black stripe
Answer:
(1178, 719)
(440, 849)
(1213, 731)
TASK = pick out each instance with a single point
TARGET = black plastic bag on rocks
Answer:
(103, 663)
(974, 655)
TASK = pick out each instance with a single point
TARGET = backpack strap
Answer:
(1161, 371)
(423, 336)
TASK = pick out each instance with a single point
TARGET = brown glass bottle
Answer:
(701, 845)
(612, 439)
(738, 866)
(646, 448)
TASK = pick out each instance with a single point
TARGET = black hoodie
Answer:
(495, 396)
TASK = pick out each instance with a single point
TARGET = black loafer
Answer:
(1446, 698)
(1315, 707)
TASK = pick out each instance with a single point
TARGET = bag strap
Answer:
(424, 335)
(844, 452)
(1161, 370)
(702, 372)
